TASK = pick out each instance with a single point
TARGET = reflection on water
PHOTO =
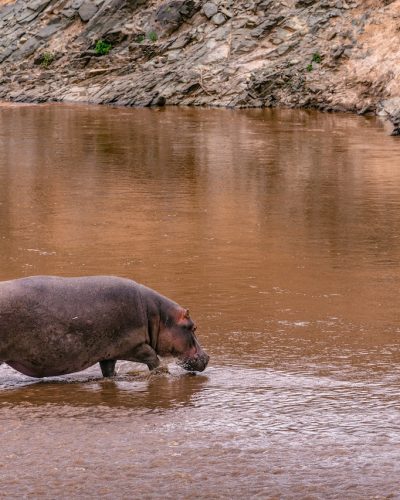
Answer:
(131, 389)
(280, 230)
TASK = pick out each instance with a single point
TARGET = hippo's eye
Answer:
(192, 327)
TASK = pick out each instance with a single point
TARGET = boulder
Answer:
(87, 10)
(209, 9)
(170, 15)
(218, 19)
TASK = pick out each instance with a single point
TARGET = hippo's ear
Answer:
(183, 315)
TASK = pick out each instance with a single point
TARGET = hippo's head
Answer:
(177, 338)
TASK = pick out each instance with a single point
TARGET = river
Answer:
(280, 230)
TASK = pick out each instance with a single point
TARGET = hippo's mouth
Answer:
(196, 363)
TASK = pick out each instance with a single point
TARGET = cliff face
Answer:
(329, 54)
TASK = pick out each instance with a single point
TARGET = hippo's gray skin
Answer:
(52, 326)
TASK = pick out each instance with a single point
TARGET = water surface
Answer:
(280, 230)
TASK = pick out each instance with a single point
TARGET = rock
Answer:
(115, 36)
(390, 108)
(227, 13)
(209, 9)
(26, 16)
(395, 131)
(265, 4)
(159, 101)
(252, 22)
(218, 19)
(223, 32)
(5, 10)
(294, 24)
(180, 42)
(48, 31)
(38, 5)
(170, 15)
(283, 49)
(87, 10)
(241, 46)
(69, 13)
(304, 3)
(266, 26)
(75, 4)
(337, 51)
(29, 47)
(7, 53)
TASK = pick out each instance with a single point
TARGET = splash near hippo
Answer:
(53, 326)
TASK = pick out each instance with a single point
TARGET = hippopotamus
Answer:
(51, 326)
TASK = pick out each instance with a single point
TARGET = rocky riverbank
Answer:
(328, 54)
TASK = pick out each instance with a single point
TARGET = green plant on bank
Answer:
(47, 59)
(152, 36)
(102, 48)
(316, 58)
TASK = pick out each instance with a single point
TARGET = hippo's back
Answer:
(59, 294)
(53, 314)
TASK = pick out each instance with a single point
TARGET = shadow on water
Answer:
(138, 391)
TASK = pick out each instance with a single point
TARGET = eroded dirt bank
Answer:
(329, 54)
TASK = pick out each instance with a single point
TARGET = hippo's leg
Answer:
(144, 354)
(108, 367)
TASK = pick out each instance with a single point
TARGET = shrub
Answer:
(46, 59)
(316, 58)
(102, 48)
(152, 36)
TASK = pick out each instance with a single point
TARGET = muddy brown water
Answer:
(280, 230)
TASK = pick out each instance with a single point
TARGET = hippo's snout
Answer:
(196, 363)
